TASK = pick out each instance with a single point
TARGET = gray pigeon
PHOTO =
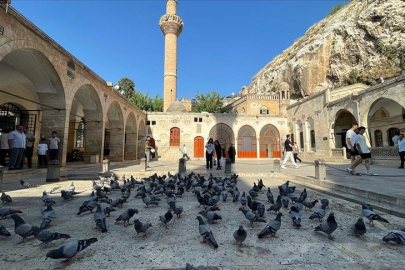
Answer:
(328, 226)
(236, 194)
(177, 210)
(295, 216)
(141, 227)
(270, 196)
(47, 215)
(243, 199)
(88, 207)
(108, 209)
(166, 217)
(368, 213)
(5, 212)
(240, 235)
(252, 217)
(66, 195)
(285, 200)
(276, 205)
(211, 216)
(6, 198)
(25, 184)
(52, 190)
(46, 236)
(224, 195)
(127, 215)
(149, 200)
(72, 187)
(3, 231)
(21, 228)
(206, 233)
(47, 200)
(397, 236)
(99, 218)
(309, 205)
(359, 228)
(319, 213)
(272, 227)
(69, 250)
(116, 202)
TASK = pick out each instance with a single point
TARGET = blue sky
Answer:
(223, 44)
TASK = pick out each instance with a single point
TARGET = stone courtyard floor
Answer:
(121, 248)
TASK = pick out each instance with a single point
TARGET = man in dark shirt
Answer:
(288, 148)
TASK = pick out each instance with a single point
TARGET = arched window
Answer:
(80, 134)
(302, 140)
(378, 138)
(175, 137)
(313, 144)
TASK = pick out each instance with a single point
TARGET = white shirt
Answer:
(210, 148)
(53, 143)
(395, 140)
(4, 141)
(401, 145)
(29, 136)
(361, 142)
(42, 148)
(18, 139)
(352, 136)
(184, 150)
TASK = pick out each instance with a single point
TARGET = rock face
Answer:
(361, 43)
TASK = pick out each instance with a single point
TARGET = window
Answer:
(80, 135)
(313, 144)
(175, 137)
(148, 123)
(264, 110)
(197, 119)
(153, 123)
(378, 138)
(302, 140)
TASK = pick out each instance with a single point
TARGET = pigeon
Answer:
(51, 190)
(252, 217)
(276, 206)
(66, 195)
(70, 249)
(26, 184)
(72, 187)
(210, 216)
(284, 187)
(270, 196)
(397, 236)
(21, 228)
(328, 226)
(371, 215)
(141, 227)
(116, 202)
(261, 209)
(47, 215)
(224, 195)
(325, 201)
(359, 228)
(177, 210)
(206, 233)
(303, 195)
(166, 217)
(46, 236)
(107, 210)
(6, 212)
(319, 213)
(99, 218)
(243, 199)
(309, 205)
(285, 201)
(235, 195)
(3, 231)
(88, 207)
(47, 200)
(253, 193)
(298, 204)
(260, 184)
(127, 215)
(240, 235)
(272, 227)
(295, 216)
(6, 198)
(148, 200)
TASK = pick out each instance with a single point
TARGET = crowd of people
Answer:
(18, 145)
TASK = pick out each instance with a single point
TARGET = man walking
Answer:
(185, 152)
(401, 146)
(288, 148)
(351, 138)
(16, 143)
(148, 147)
(364, 152)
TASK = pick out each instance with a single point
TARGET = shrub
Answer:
(336, 8)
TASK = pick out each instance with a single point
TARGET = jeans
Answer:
(16, 155)
(208, 160)
(296, 157)
(53, 154)
(289, 155)
(402, 157)
(28, 154)
(147, 153)
(42, 160)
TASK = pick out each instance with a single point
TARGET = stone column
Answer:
(53, 171)
(258, 147)
(93, 135)
(130, 145)
(116, 141)
(276, 166)
(106, 166)
(320, 169)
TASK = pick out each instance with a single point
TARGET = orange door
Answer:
(199, 147)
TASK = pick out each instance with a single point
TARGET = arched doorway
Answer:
(114, 133)
(270, 142)
(130, 137)
(199, 147)
(247, 142)
(224, 134)
(343, 122)
(385, 118)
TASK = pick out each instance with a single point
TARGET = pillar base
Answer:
(143, 164)
(53, 171)
(228, 165)
(276, 166)
(182, 165)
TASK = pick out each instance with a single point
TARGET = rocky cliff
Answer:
(362, 42)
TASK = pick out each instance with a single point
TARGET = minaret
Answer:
(171, 26)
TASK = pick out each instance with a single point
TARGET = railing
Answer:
(338, 153)
(386, 153)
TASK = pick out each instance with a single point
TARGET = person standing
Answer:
(185, 152)
(29, 147)
(218, 152)
(364, 152)
(401, 146)
(232, 153)
(296, 151)
(395, 139)
(41, 150)
(16, 143)
(4, 148)
(54, 144)
(288, 150)
(209, 150)
(148, 147)
(351, 137)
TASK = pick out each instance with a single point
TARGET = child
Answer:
(54, 144)
(42, 148)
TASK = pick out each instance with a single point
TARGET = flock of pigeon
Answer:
(208, 192)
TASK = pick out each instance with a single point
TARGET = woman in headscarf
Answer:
(218, 151)
(209, 151)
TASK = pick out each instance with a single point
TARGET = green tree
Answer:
(127, 86)
(210, 102)
(147, 103)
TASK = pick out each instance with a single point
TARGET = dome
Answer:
(176, 107)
